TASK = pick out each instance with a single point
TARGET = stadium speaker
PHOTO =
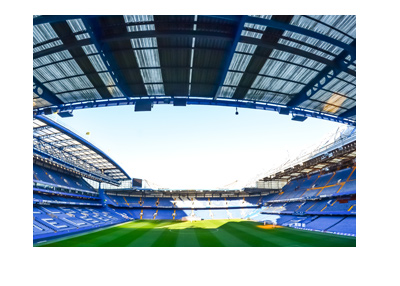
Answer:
(48, 111)
(299, 118)
(143, 105)
(65, 114)
(179, 101)
(283, 110)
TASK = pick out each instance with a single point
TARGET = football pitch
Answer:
(206, 233)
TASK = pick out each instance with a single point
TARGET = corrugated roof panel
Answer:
(155, 89)
(271, 97)
(226, 92)
(147, 58)
(332, 107)
(76, 25)
(97, 63)
(90, 49)
(47, 46)
(337, 85)
(89, 94)
(321, 95)
(55, 57)
(324, 94)
(314, 42)
(273, 84)
(299, 60)
(349, 104)
(305, 48)
(287, 71)
(106, 78)
(144, 43)
(262, 16)
(344, 23)
(74, 83)
(352, 67)
(245, 48)
(114, 91)
(311, 104)
(43, 33)
(138, 18)
(151, 75)
(261, 28)
(239, 62)
(82, 36)
(233, 78)
(59, 70)
(39, 102)
(347, 77)
(251, 34)
(138, 28)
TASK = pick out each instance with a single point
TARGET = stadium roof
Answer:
(299, 65)
(55, 142)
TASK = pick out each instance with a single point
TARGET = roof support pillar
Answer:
(107, 58)
(229, 57)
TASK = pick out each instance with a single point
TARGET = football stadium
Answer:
(300, 68)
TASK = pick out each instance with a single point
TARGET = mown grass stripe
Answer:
(270, 236)
(248, 237)
(148, 238)
(186, 238)
(231, 240)
(129, 236)
(166, 239)
(206, 237)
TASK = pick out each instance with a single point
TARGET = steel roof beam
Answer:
(44, 93)
(162, 99)
(229, 57)
(323, 78)
(110, 63)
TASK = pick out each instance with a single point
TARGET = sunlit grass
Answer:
(204, 224)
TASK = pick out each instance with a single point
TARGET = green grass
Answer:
(208, 233)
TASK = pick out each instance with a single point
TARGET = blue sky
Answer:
(196, 147)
